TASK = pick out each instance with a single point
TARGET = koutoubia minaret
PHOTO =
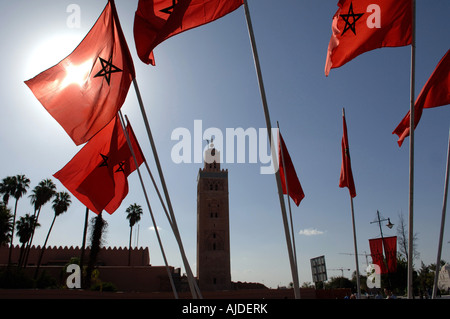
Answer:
(213, 225)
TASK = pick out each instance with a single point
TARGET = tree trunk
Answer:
(27, 250)
(12, 233)
(95, 246)
(43, 248)
(129, 247)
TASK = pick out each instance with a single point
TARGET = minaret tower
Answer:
(213, 226)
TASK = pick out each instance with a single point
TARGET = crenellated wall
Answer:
(112, 264)
(61, 255)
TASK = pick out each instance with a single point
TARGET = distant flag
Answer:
(388, 262)
(390, 252)
(97, 174)
(376, 252)
(157, 20)
(293, 184)
(363, 25)
(85, 90)
(436, 92)
(346, 177)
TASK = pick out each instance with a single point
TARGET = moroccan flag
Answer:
(158, 20)
(346, 177)
(363, 25)
(436, 92)
(85, 90)
(97, 174)
(293, 184)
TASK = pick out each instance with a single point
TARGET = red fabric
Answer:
(346, 177)
(97, 174)
(158, 20)
(390, 252)
(354, 37)
(295, 189)
(376, 252)
(85, 107)
(436, 92)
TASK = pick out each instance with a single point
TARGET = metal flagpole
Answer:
(191, 280)
(148, 205)
(358, 281)
(274, 158)
(441, 235)
(410, 288)
(195, 291)
(155, 186)
(289, 200)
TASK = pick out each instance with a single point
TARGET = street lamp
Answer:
(389, 225)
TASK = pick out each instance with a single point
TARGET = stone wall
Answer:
(61, 255)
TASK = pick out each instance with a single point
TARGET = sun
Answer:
(50, 51)
(77, 74)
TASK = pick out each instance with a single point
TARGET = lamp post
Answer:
(389, 225)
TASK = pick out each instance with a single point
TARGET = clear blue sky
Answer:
(208, 74)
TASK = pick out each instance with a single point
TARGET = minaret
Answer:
(213, 226)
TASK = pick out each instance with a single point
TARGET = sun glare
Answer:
(50, 51)
(77, 74)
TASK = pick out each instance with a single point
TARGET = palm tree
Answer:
(19, 185)
(96, 241)
(5, 188)
(42, 193)
(24, 227)
(5, 224)
(134, 212)
(60, 205)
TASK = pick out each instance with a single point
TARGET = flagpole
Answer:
(83, 244)
(358, 281)
(274, 159)
(192, 283)
(289, 199)
(195, 291)
(148, 205)
(441, 235)
(410, 288)
(155, 186)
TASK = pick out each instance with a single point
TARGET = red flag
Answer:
(295, 189)
(158, 20)
(376, 252)
(85, 90)
(97, 174)
(363, 25)
(121, 182)
(390, 252)
(436, 92)
(346, 177)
